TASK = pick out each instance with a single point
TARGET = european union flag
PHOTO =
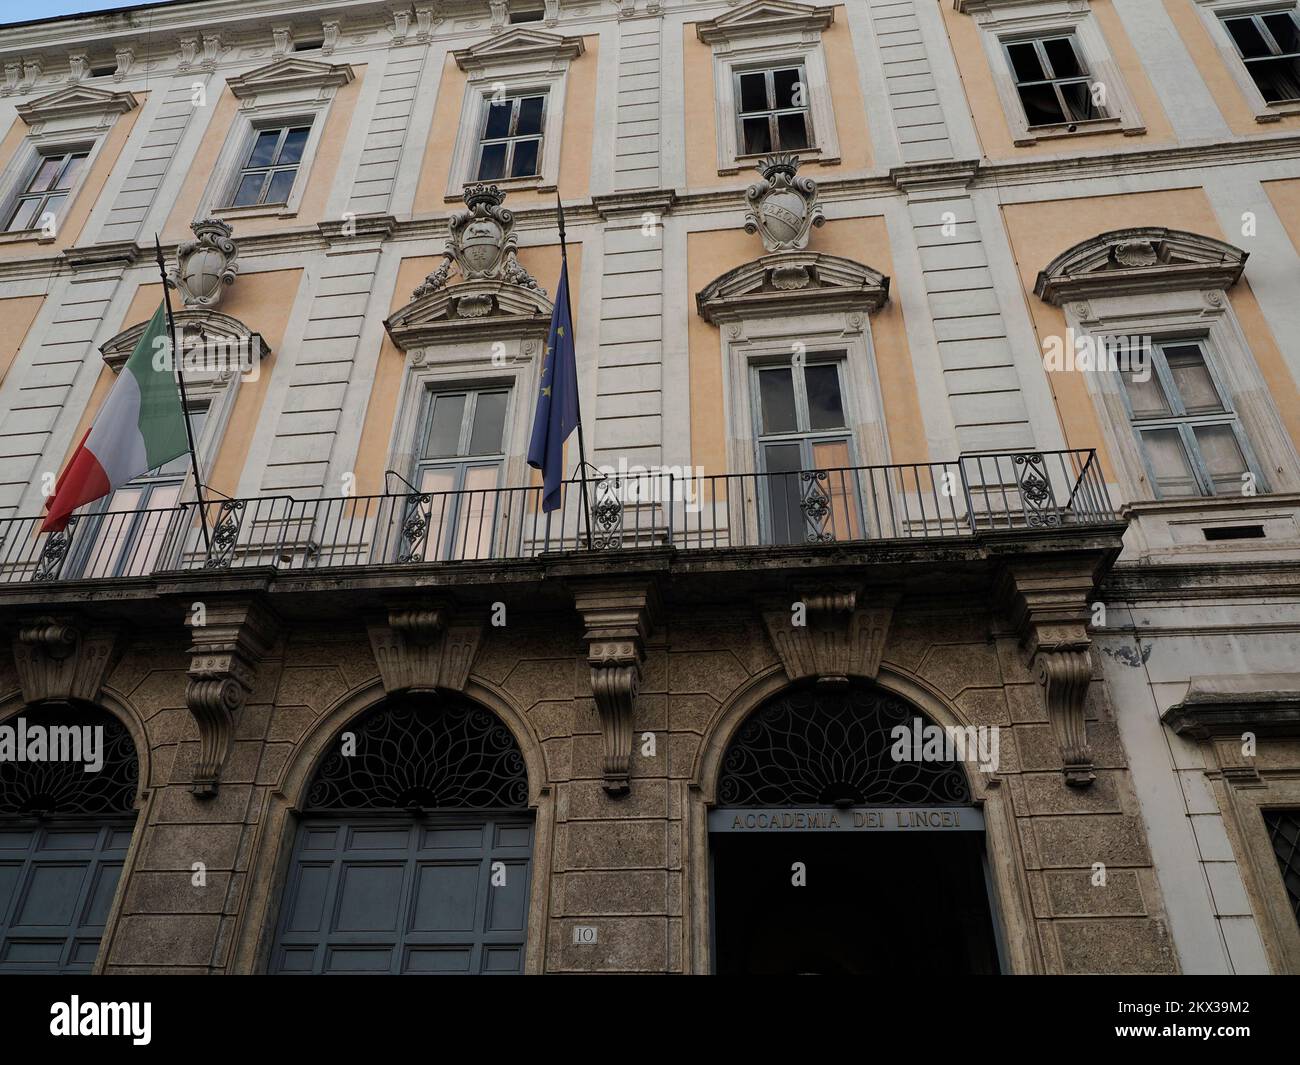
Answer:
(557, 398)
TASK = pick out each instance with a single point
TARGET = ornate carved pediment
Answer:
(520, 44)
(76, 100)
(765, 17)
(421, 648)
(61, 659)
(831, 633)
(290, 73)
(1128, 262)
(792, 283)
(210, 341)
(206, 265)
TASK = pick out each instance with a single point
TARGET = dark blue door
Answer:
(56, 887)
(437, 894)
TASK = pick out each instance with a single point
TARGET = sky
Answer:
(30, 10)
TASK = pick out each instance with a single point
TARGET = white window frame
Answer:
(19, 174)
(1002, 22)
(1213, 13)
(750, 46)
(1181, 315)
(769, 72)
(477, 157)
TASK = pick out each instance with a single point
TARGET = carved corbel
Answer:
(420, 647)
(828, 633)
(618, 616)
(226, 650)
(1050, 606)
(59, 659)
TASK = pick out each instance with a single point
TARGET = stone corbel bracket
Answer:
(226, 650)
(1049, 604)
(59, 659)
(840, 636)
(420, 647)
(619, 616)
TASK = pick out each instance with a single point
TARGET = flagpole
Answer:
(185, 403)
(582, 447)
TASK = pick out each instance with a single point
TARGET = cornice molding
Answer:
(469, 310)
(764, 18)
(792, 283)
(519, 44)
(289, 73)
(76, 100)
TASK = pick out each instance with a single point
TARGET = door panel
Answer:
(406, 896)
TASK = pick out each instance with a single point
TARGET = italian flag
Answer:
(140, 426)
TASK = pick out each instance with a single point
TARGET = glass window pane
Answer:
(1282, 26)
(825, 408)
(492, 164)
(524, 163)
(1024, 62)
(1278, 79)
(294, 142)
(263, 148)
(776, 393)
(757, 135)
(793, 130)
(1041, 106)
(498, 119)
(281, 185)
(1222, 457)
(530, 115)
(1169, 462)
(783, 492)
(1078, 98)
(50, 209)
(788, 89)
(489, 424)
(1192, 379)
(1062, 57)
(442, 507)
(70, 171)
(1245, 34)
(1146, 397)
(444, 426)
(46, 173)
(25, 215)
(477, 509)
(250, 189)
(753, 92)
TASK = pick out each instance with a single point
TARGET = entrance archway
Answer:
(835, 848)
(68, 784)
(414, 850)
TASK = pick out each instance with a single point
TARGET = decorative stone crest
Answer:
(420, 649)
(783, 207)
(825, 633)
(60, 660)
(481, 243)
(224, 657)
(619, 615)
(205, 265)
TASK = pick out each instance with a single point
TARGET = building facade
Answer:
(936, 555)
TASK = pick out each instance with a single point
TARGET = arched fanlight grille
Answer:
(832, 746)
(422, 753)
(46, 784)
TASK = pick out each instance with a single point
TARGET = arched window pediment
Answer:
(472, 309)
(1125, 262)
(792, 283)
(213, 330)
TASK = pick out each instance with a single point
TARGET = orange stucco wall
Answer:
(16, 317)
(711, 253)
(1041, 231)
(701, 110)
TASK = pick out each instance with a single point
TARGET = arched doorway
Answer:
(68, 784)
(834, 850)
(414, 850)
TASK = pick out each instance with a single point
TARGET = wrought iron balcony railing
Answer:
(977, 493)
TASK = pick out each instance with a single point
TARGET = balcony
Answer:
(977, 494)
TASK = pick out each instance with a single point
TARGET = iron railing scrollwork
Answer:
(55, 552)
(416, 518)
(607, 514)
(225, 534)
(1036, 490)
(815, 503)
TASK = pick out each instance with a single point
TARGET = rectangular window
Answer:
(46, 192)
(1052, 80)
(511, 141)
(1191, 439)
(1284, 833)
(802, 426)
(773, 110)
(458, 463)
(269, 169)
(1269, 47)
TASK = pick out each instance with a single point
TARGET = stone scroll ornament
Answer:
(783, 207)
(481, 244)
(206, 264)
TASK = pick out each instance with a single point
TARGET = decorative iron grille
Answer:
(815, 747)
(1284, 833)
(49, 788)
(433, 753)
